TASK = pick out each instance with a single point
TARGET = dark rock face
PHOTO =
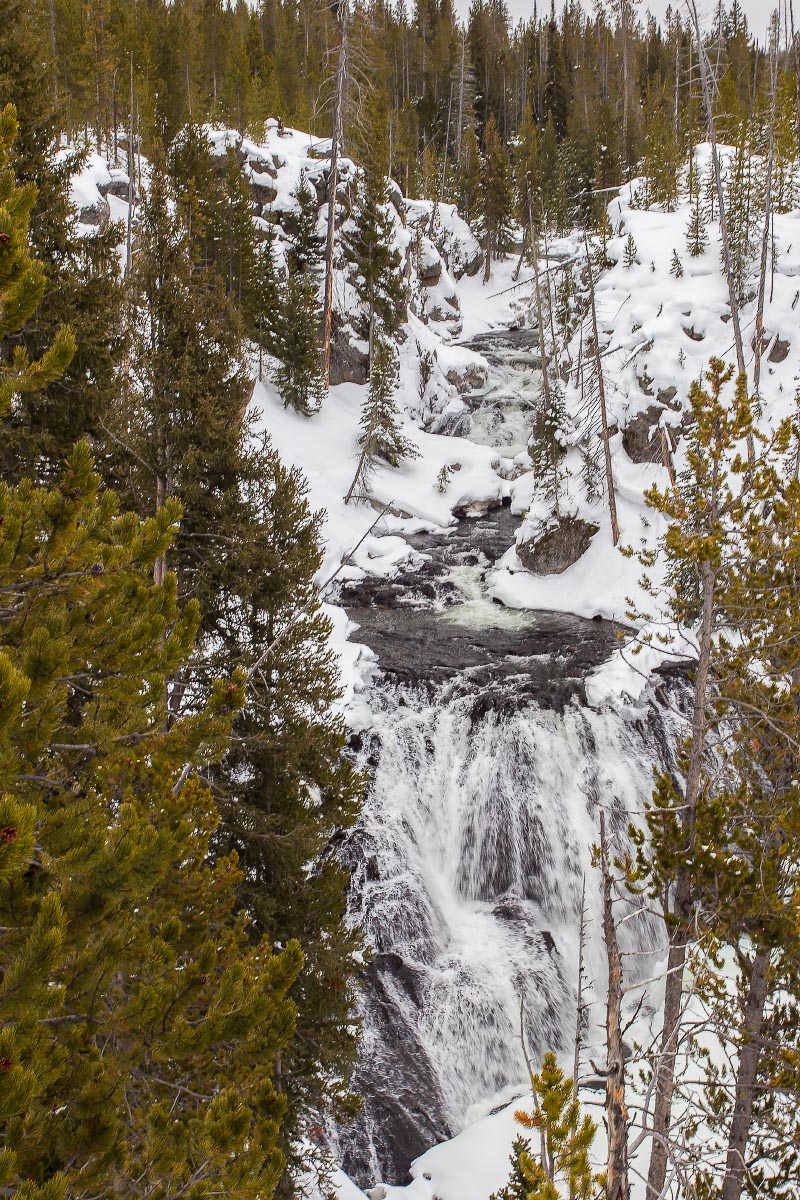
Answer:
(98, 214)
(404, 1116)
(558, 548)
(667, 395)
(348, 363)
(780, 351)
(640, 438)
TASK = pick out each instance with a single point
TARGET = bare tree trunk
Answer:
(580, 1004)
(131, 170)
(601, 389)
(762, 278)
(623, 25)
(333, 180)
(54, 49)
(746, 1077)
(682, 901)
(617, 1174)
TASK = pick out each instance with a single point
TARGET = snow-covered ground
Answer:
(659, 332)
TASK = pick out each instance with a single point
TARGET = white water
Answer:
(469, 864)
(466, 818)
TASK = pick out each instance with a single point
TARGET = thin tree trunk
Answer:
(543, 355)
(576, 1059)
(131, 170)
(762, 278)
(746, 1078)
(681, 926)
(601, 389)
(617, 1174)
(333, 180)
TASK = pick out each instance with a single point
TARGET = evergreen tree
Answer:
(381, 437)
(285, 787)
(370, 243)
(676, 266)
(140, 1020)
(696, 236)
(630, 252)
(469, 177)
(22, 282)
(566, 1137)
(83, 289)
(296, 328)
(185, 409)
(496, 197)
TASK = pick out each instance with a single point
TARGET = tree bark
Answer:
(682, 902)
(333, 181)
(612, 500)
(746, 1079)
(617, 1173)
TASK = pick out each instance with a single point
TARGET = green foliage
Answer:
(630, 253)
(22, 282)
(296, 324)
(496, 196)
(83, 293)
(130, 989)
(565, 1137)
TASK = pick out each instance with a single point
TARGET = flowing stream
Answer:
(488, 770)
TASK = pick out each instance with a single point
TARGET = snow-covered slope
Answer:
(464, 406)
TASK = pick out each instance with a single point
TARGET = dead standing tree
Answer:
(342, 14)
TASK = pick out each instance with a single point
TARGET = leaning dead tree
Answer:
(343, 20)
(601, 393)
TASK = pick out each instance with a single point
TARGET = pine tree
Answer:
(296, 327)
(22, 282)
(676, 266)
(469, 177)
(496, 197)
(696, 236)
(630, 253)
(381, 437)
(285, 787)
(83, 290)
(141, 1020)
(370, 242)
(566, 1137)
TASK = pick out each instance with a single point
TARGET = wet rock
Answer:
(468, 378)
(561, 545)
(98, 214)
(640, 438)
(780, 351)
(696, 335)
(477, 508)
(667, 396)
(403, 1108)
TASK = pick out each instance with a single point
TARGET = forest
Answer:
(232, 234)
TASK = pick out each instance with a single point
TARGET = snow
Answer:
(660, 332)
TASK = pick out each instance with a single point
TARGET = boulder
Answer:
(667, 395)
(563, 542)
(468, 378)
(98, 214)
(640, 438)
(349, 364)
(780, 351)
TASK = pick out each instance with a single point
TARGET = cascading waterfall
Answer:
(468, 878)
(488, 771)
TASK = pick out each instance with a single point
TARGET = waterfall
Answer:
(467, 869)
